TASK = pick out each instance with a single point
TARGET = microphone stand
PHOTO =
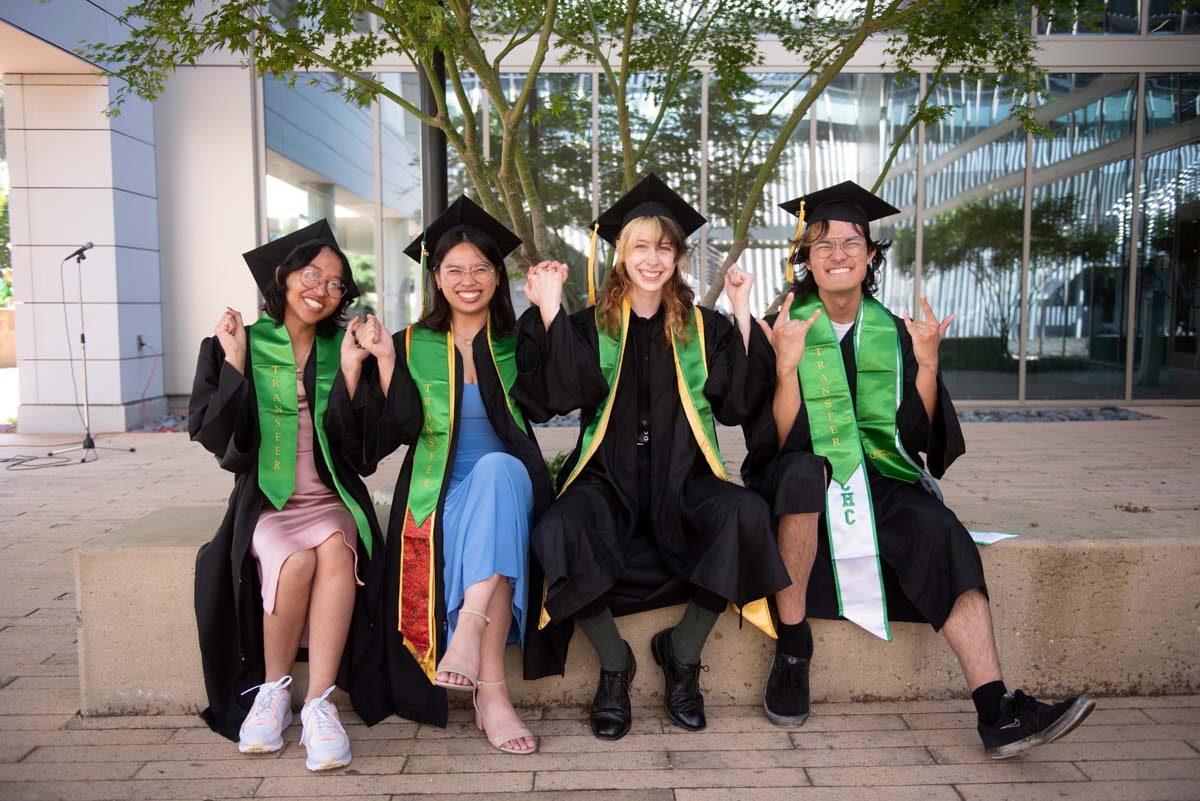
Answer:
(88, 443)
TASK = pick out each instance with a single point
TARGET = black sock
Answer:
(987, 701)
(795, 639)
(689, 635)
(601, 629)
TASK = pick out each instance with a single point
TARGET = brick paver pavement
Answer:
(1062, 479)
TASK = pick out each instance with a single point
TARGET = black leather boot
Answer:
(612, 714)
(681, 694)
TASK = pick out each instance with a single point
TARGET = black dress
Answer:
(646, 522)
(223, 417)
(927, 555)
(371, 427)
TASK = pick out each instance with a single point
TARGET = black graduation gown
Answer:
(223, 417)
(372, 427)
(646, 522)
(927, 555)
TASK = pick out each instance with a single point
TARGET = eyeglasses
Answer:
(480, 273)
(852, 246)
(312, 279)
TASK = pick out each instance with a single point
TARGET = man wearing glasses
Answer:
(860, 389)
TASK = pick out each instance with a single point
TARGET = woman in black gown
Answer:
(646, 516)
(297, 553)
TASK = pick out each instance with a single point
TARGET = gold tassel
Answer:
(421, 281)
(592, 266)
(791, 271)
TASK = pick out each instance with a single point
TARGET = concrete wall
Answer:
(207, 216)
(78, 176)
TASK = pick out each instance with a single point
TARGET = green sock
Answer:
(690, 634)
(602, 630)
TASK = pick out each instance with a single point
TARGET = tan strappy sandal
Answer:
(507, 735)
(444, 667)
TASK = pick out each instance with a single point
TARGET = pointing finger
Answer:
(786, 308)
(929, 315)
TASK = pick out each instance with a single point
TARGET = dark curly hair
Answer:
(438, 313)
(806, 285)
(275, 295)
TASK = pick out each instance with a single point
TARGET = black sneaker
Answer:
(1026, 722)
(611, 715)
(786, 698)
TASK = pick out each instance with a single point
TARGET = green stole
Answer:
(273, 371)
(431, 363)
(691, 373)
(847, 432)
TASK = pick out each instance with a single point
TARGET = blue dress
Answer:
(487, 515)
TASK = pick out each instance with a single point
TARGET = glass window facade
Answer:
(1048, 249)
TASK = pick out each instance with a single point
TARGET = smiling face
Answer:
(466, 279)
(648, 254)
(311, 304)
(838, 258)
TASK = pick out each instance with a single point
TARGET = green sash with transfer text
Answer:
(274, 374)
(847, 432)
(431, 363)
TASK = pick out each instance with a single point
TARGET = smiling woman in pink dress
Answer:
(296, 556)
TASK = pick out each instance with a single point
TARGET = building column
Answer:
(78, 176)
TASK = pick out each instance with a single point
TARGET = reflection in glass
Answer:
(320, 157)
(1171, 99)
(733, 162)
(973, 238)
(1079, 259)
(1171, 16)
(1093, 109)
(1166, 360)
(400, 157)
(1096, 16)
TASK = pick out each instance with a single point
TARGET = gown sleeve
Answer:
(558, 369)
(221, 416)
(739, 382)
(942, 440)
(371, 426)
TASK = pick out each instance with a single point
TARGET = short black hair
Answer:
(805, 285)
(438, 314)
(275, 295)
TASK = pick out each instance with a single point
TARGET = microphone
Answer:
(79, 253)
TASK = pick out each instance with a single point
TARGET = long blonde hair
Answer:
(677, 296)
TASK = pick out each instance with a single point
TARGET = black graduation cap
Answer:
(463, 213)
(651, 197)
(262, 261)
(847, 202)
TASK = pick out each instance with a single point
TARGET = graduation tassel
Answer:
(421, 285)
(791, 271)
(592, 266)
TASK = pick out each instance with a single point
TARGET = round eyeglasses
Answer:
(312, 279)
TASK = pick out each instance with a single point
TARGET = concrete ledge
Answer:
(1109, 616)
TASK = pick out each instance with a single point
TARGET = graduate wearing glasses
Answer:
(863, 529)
(460, 585)
(298, 554)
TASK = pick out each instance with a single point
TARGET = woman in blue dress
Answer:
(460, 585)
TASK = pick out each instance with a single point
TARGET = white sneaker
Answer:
(262, 730)
(323, 737)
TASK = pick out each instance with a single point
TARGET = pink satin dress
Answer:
(312, 515)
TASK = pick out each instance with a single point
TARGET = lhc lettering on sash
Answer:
(848, 504)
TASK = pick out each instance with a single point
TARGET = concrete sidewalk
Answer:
(1048, 479)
